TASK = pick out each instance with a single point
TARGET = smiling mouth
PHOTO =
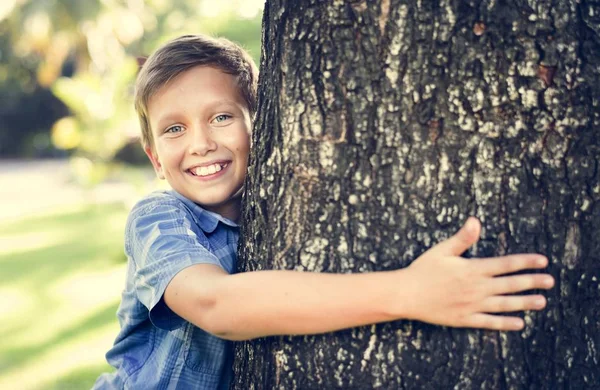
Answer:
(208, 170)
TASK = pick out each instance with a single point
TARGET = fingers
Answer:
(462, 240)
(512, 263)
(519, 283)
(507, 304)
(494, 322)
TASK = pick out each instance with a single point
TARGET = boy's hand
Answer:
(453, 291)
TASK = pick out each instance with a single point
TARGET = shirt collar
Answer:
(207, 220)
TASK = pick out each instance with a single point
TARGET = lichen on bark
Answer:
(382, 125)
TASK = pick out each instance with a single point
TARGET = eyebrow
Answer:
(167, 119)
(223, 101)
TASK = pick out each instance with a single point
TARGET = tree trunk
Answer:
(382, 126)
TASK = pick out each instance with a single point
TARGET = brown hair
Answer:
(184, 53)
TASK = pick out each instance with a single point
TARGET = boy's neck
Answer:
(230, 210)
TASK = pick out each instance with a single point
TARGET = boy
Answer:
(195, 98)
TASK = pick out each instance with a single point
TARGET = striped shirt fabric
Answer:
(155, 348)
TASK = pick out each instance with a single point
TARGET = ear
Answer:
(155, 162)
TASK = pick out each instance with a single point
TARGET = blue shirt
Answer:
(157, 349)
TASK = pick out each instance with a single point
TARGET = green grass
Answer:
(60, 282)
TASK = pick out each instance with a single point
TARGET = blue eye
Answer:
(221, 118)
(174, 129)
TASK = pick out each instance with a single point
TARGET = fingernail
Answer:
(540, 302)
(519, 324)
(542, 261)
(470, 224)
(549, 281)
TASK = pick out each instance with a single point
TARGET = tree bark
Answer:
(382, 126)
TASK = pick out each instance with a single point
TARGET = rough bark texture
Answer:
(383, 125)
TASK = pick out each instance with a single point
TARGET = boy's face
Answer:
(201, 129)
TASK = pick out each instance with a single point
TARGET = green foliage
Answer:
(84, 52)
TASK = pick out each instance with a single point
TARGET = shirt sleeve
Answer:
(165, 240)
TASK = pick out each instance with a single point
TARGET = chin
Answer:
(211, 203)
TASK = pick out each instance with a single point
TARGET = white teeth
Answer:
(207, 170)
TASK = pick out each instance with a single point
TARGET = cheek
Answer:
(244, 150)
(168, 153)
(243, 146)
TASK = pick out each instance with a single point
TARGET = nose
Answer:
(201, 141)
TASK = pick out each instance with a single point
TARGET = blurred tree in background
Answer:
(67, 69)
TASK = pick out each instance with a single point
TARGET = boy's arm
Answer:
(439, 288)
